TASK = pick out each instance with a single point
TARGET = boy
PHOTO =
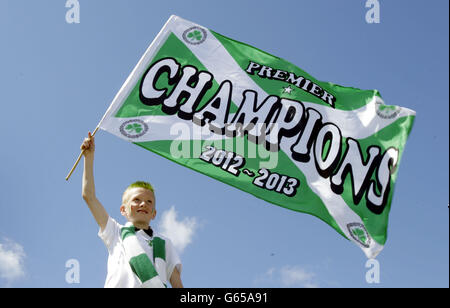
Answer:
(137, 257)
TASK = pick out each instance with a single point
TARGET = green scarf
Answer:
(138, 259)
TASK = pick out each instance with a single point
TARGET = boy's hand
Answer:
(88, 146)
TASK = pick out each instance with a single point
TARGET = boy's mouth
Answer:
(142, 211)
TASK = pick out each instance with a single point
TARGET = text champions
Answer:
(281, 118)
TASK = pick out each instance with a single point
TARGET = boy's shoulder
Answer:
(114, 224)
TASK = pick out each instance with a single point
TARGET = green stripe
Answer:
(143, 267)
(348, 98)
(126, 232)
(159, 248)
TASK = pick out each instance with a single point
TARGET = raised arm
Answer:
(88, 186)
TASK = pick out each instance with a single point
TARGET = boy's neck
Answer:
(141, 225)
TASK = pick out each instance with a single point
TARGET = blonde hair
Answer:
(138, 184)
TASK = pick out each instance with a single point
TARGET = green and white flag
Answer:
(263, 125)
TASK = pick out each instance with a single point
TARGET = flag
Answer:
(259, 123)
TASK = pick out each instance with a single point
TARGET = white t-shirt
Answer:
(120, 274)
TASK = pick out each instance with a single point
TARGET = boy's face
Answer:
(138, 205)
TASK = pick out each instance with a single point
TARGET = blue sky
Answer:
(57, 80)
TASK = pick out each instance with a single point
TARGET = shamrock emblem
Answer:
(134, 128)
(360, 234)
(194, 35)
(386, 111)
(386, 107)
